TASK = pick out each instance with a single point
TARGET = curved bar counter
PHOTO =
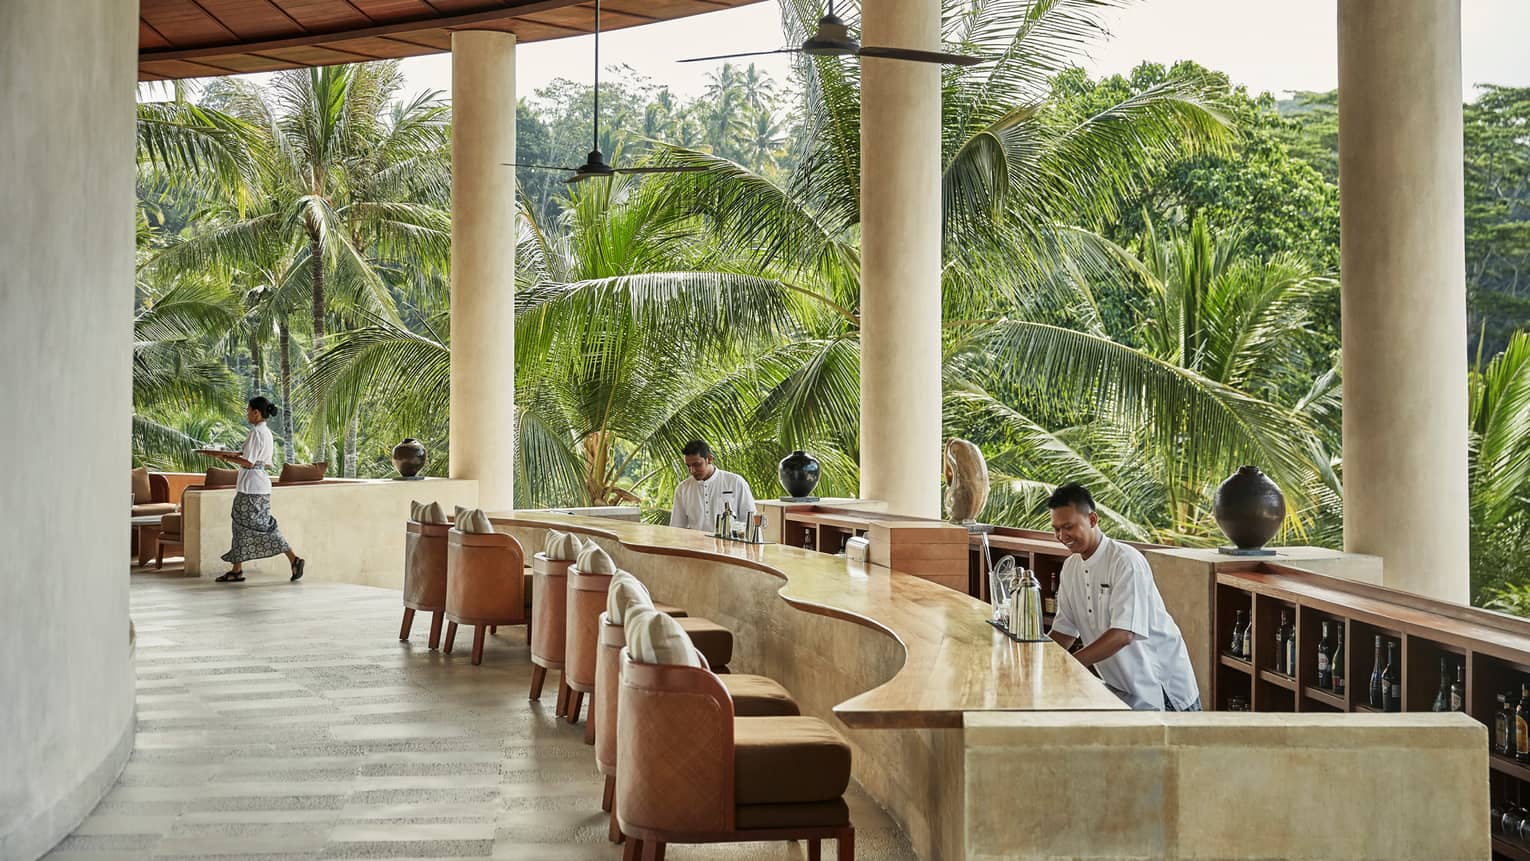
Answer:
(898, 681)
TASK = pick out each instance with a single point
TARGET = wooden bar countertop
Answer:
(955, 662)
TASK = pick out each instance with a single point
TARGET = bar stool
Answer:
(549, 611)
(690, 771)
(754, 696)
(485, 584)
(424, 576)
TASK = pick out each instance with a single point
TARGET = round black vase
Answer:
(798, 472)
(409, 457)
(1249, 508)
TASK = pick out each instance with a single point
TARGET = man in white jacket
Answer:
(703, 496)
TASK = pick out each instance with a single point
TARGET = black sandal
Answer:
(297, 570)
(230, 577)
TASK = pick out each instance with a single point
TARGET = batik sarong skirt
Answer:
(255, 532)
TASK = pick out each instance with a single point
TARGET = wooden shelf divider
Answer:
(1242, 665)
(1274, 678)
(1505, 765)
(1325, 697)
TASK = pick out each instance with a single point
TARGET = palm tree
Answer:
(1499, 399)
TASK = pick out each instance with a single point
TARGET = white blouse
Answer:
(697, 503)
(258, 449)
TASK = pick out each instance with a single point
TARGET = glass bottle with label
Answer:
(1377, 695)
(1325, 661)
(1280, 644)
(1239, 625)
(1442, 696)
(1336, 663)
(1049, 603)
(1522, 724)
(1501, 722)
(1458, 689)
(1290, 641)
(1391, 680)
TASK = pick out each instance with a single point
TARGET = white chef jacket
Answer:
(258, 450)
(1114, 588)
(697, 503)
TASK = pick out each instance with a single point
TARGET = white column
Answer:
(900, 260)
(483, 264)
(1404, 291)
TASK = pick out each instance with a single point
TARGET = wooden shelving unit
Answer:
(1490, 650)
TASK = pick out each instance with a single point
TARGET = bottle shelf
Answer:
(1322, 696)
(1505, 765)
(1363, 707)
(1238, 664)
(1512, 849)
(1274, 678)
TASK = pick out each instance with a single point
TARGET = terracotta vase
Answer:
(409, 457)
(1249, 508)
(799, 473)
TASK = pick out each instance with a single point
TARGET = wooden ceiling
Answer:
(204, 38)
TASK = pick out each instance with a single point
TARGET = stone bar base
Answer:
(349, 531)
(1203, 785)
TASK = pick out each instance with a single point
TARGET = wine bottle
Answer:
(1522, 724)
(1501, 722)
(1280, 645)
(1336, 663)
(1325, 661)
(1049, 603)
(1391, 680)
(1290, 650)
(1239, 624)
(1442, 696)
(1377, 698)
(1458, 689)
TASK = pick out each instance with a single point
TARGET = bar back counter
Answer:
(985, 748)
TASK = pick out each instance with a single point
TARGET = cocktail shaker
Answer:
(1025, 607)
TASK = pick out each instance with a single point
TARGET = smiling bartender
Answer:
(1108, 598)
(700, 498)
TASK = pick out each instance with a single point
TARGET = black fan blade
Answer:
(748, 54)
(675, 169)
(538, 166)
(919, 56)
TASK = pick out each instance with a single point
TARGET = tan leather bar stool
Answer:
(424, 576)
(689, 771)
(549, 621)
(754, 696)
(485, 585)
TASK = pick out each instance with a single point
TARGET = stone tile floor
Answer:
(280, 720)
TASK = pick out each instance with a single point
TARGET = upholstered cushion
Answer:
(758, 696)
(415, 507)
(170, 524)
(154, 508)
(475, 521)
(298, 473)
(143, 494)
(815, 814)
(432, 513)
(561, 546)
(594, 560)
(625, 591)
(654, 638)
(788, 760)
(709, 638)
(220, 478)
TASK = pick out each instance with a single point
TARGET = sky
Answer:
(1266, 45)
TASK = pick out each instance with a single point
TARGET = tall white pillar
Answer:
(482, 417)
(900, 260)
(1404, 291)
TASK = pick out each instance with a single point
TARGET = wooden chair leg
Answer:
(846, 844)
(653, 851)
(615, 833)
(562, 707)
(589, 722)
(538, 677)
(574, 706)
(494, 629)
(403, 631)
(609, 794)
(477, 644)
(633, 848)
(159, 558)
(451, 637)
(435, 629)
(815, 849)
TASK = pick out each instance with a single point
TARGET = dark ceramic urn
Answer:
(1249, 508)
(799, 474)
(409, 457)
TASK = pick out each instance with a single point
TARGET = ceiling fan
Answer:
(595, 163)
(833, 39)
